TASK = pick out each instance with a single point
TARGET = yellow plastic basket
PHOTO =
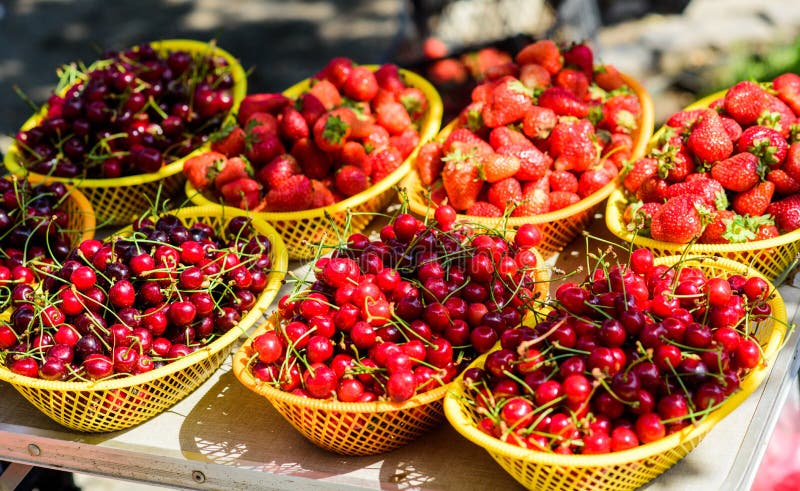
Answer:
(115, 404)
(770, 257)
(632, 468)
(119, 201)
(558, 227)
(304, 230)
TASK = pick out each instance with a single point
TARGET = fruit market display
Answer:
(128, 113)
(725, 172)
(391, 318)
(132, 304)
(540, 134)
(352, 128)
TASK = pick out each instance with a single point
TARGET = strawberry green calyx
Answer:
(335, 129)
(223, 132)
(518, 86)
(721, 200)
(794, 133)
(766, 155)
(745, 228)
(595, 114)
(474, 120)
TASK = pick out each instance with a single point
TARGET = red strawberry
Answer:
(509, 102)
(315, 163)
(572, 145)
(433, 48)
(754, 201)
(534, 76)
(327, 94)
(336, 71)
(791, 164)
(638, 216)
(653, 188)
(504, 192)
(447, 71)
(732, 128)
(470, 117)
(265, 123)
(621, 114)
(786, 213)
(230, 170)
(198, 169)
(737, 173)
(778, 116)
(608, 78)
(384, 161)
(544, 53)
(294, 194)
(685, 119)
(460, 177)
(674, 161)
(377, 137)
(483, 92)
(539, 122)
(574, 81)
(534, 202)
(406, 141)
(562, 180)
(788, 88)
(484, 209)
(353, 153)
(462, 135)
(322, 195)
(563, 102)
(311, 108)
(361, 84)
(745, 102)
(504, 135)
(393, 116)
(263, 146)
(638, 172)
(767, 144)
(562, 199)
(714, 231)
(618, 149)
(542, 184)
(230, 140)
(351, 180)
(277, 170)
(429, 162)
(678, 221)
(533, 162)
(332, 130)
(388, 77)
(784, 183)
(415, 102)
(592, 180)
(261, 103)
(581, 57)
(243, 192)
(708, 189)
(293, 125)
(495, 166)
(709, 141)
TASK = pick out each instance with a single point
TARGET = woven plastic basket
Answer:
(632, 468)
(770, 257)
(121, 200)
(559, 227)
(304, 230)
(115, 404)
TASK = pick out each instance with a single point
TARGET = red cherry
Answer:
(528, 235)
(98, 366)
(122, 294)
(649, 428)
(401, 386)
(83, 278)
(623, 438)
(268, 346)
(320, 381)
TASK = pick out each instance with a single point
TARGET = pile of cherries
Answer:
(134, 303)
(635, 353)
(391, 318)
(130, 113)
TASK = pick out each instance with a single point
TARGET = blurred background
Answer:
(678, 49)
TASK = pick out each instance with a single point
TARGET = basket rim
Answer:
(643, 135)
(239, 90)
(275, 278)
(454, 413)
(430, 127)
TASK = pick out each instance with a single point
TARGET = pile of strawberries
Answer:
(728, 173)
(351, 129)
(541, 133)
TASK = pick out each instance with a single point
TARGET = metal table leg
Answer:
(13, 475)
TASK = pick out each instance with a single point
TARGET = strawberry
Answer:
(315, 163)
(539, 122)
(745, 102)
(351, 180)
(608, 78)
(393, 116)
(462, 135)
(388, 77)
(621, 114)
(497, 72)
(592, 180)
(509, 102)
(331, 131)
(321, 195)
(292, 125)
(294, 194)
(534, 202)
(563, 102)
(243, 192)
(732, 128)
(447, 71)
(638, 172)
(504, 192)
(533, 162)
(674, 161)
(265, 122)
(714, 231)
(653, 188)
(709, 141)
(310, 107)
(707, 189)
(230, 170)
(580, 56)
(755, 200)
(618, 149)
(778, 116)
(534, 76)
(327, 94)
(639, 216)
(384, 161)
(360, 84)
(277, 170)
(460, 177)
(737, 173)
(353, 153)
(788, 88)
(678, 220)
(197, 169)
(767, 144)
(484, 209)
(562, 199)
(574, 81)
(563, 180)
(684, 120)
(433, 47)
(336, 71)
(415, 102)
(263, 146)
(505, 135)
(495, 166)
(791, 164)
(261, 103)
(786, 213)
(784, 183)
(470, 117)
(542, 184)
(544, 53)
(406, 141)
(766, 232)
(572, 145)
(429, 162)
(230, 140)
(377, 137)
